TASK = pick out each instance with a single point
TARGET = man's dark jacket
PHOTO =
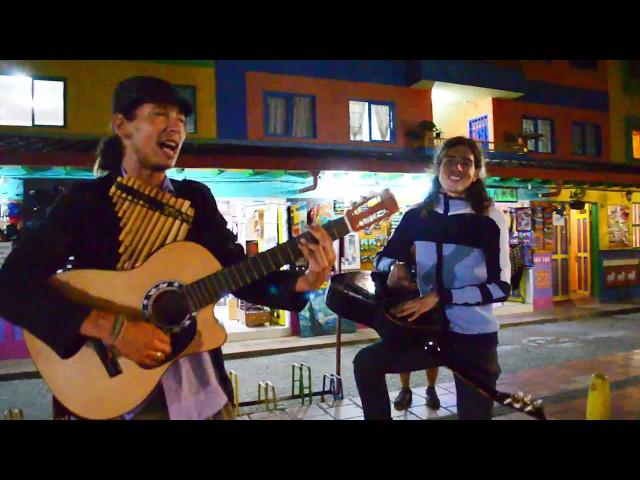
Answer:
(83, 224)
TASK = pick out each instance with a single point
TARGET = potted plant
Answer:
(420, 135)
(521, 139)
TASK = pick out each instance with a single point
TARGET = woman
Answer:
(460, 244)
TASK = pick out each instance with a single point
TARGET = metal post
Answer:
(339, 319)
(236, 394)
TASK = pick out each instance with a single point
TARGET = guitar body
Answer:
(82, 382)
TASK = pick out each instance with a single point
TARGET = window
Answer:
(26, 101)
(584, 64)
(635, 137)
(542, 129)
(635, 224)
(586, 139)
(289, 115)
(371, 121)
(189, 93)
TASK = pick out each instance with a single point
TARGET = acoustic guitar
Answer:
(175, 288)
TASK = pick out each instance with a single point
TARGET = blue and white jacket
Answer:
(471, 251)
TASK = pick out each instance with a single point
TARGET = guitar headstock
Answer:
(526, 405)
(371, 210)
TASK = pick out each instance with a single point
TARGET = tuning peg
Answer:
(527, 399)
(538, 404)
(518, 400)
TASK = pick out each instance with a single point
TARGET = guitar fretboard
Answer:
(211, 288)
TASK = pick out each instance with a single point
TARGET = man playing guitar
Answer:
(148, 125)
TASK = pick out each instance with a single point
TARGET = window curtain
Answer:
(381, 121)
(277, 115)
(302, 117)
(357, 111)
(15, 101)
(590, 140)
(578, 140)
(528, 126)
(544, 144)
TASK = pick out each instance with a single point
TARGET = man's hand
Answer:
(141, 342)
(400, 277)
(321, 258)
(414, 308)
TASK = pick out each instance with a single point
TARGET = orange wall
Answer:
(332, 106)
(508, 115)
(559, 71)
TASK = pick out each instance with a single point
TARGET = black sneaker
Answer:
(403, 400)
(433, 401)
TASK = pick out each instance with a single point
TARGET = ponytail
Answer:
(108, 156)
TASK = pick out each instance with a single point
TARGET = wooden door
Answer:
(582, 260)
(560, 255)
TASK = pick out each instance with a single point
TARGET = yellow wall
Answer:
(620, 106)
(453, 118)
(90, 85)
(602, 198)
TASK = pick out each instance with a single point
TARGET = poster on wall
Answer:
(538, 228)
(618, 225)
(523, 219)
(351, 252)
(316, 318)
(298, 217)
(548, 232)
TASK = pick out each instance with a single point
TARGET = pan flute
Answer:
(150, 219)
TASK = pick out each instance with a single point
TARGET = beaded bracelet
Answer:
(117, 331)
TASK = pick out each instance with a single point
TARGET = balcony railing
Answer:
(488, 147)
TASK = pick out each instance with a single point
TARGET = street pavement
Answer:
(532, 352)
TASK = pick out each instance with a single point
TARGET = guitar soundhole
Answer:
(170, 309)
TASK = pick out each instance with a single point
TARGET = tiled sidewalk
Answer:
(563, 387)
(351, 408)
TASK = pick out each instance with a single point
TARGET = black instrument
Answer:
(364, 297)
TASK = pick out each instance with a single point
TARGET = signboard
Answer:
(503, 194)
(621, 272)
(542, 287)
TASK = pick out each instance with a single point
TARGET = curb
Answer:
(34, 374)
(328, 344)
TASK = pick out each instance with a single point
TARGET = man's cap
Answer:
(134, 91)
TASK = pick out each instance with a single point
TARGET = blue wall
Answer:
(617, 294)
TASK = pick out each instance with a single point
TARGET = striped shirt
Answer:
(471, 251)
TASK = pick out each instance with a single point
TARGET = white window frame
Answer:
(33, 107)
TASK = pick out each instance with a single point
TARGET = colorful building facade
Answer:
(556, 133)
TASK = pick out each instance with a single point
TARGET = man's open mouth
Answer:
(169, 147)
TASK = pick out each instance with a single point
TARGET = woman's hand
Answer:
(399, 276)
(414, 308)
(321, 258)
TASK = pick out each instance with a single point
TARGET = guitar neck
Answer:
(211, 288)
